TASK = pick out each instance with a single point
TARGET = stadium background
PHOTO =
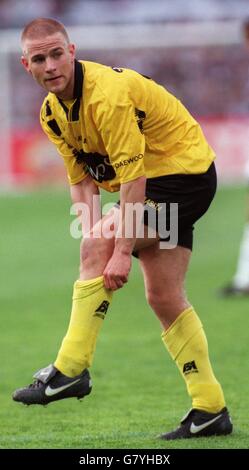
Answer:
(194, 48)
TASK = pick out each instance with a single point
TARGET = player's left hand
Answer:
(117, 270)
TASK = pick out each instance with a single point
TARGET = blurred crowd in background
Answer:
(14, 13)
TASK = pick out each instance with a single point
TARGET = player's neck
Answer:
(68, 92)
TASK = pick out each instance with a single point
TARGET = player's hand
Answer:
(117, 271)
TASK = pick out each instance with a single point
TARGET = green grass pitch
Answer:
(137, 391)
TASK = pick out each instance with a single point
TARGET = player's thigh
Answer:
(147, 237)
(164, 270)
(106, 229)
(107, 226)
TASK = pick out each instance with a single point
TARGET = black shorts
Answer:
(193, 195)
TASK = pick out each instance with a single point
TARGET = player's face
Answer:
(51, 62)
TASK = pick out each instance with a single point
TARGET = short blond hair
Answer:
(40, 27)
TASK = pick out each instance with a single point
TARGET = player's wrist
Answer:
(124, 246)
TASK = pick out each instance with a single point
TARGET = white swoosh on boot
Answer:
(194, 428)
(53, 391)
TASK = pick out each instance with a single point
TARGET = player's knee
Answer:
(95, 251)
(166, 300)
(153, 297)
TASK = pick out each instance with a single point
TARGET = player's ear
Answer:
(71, 48)
(25, 63)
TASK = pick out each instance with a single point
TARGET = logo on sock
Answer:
(189, 367)
(102, 309)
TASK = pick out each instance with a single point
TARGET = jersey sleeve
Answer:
(75, 172)
(123, 139)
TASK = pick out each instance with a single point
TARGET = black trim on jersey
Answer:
(54, 127)
(140, 116)
(77, 92)
(76, 109)
(48, 109)
(64, 107)
(78, 79)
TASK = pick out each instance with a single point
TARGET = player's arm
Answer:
(126, 146)
(132, 195)
(86, 195)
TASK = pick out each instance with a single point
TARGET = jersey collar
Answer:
(78, 79)
(77, 93)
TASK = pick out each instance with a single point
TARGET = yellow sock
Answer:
(187, 345)
(90, 303)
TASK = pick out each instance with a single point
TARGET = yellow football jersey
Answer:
(122, 125)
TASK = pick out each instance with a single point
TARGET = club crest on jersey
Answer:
(99, 166)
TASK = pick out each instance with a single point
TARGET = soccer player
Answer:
(120, 131)
(240, 282)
